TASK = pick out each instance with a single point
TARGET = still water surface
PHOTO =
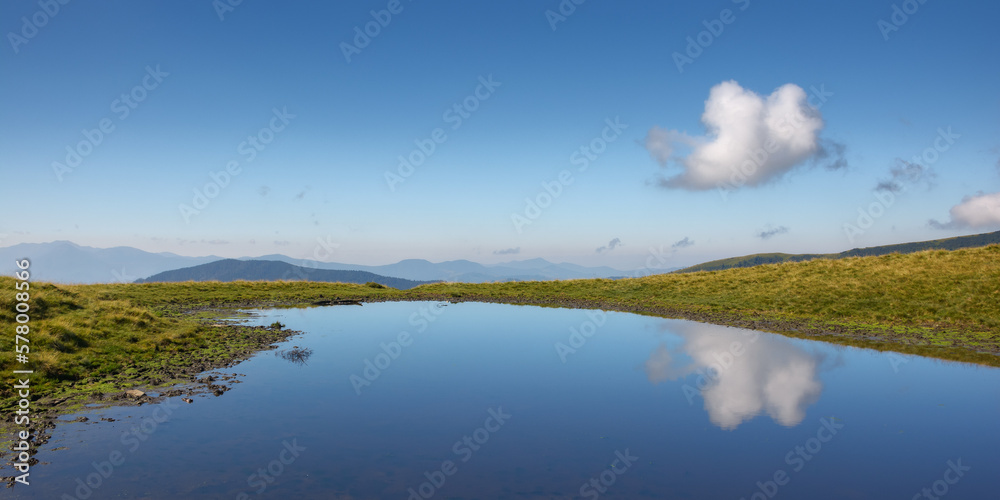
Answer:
(465, 401)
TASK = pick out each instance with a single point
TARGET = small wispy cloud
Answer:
(282, 243)
(508, 251)
(831, 155)
(613, 244)
(182, 241)
(686, 242)
(770, 232)
(661, 142)
(904, 174)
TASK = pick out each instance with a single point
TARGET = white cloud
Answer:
(979, 211)
(750, 139)
(769, 375)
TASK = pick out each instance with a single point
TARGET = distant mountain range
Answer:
(467, 271)
(67, 262)
(270, 270)
(975, 240)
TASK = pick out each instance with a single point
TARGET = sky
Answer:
(627, 134)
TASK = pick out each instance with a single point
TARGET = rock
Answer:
(135, 393)
(187, 400)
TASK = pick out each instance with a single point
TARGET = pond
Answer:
(414, 400)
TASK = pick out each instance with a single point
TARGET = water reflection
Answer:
(567, 418)
(739, 373)
(297, 355)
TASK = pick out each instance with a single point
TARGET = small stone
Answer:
(135, 393)
(187, 400)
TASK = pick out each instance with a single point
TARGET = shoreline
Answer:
(183, 374)
(222, 353)
(91, 343)
(183, 377)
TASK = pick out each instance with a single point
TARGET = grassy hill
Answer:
(976, 240)
(87, 339)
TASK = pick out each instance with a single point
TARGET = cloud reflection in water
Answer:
(740, 373)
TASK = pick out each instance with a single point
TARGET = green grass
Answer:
(955, 243)
(939, 303)
(756, 259)
(936, 289)
(84, 337)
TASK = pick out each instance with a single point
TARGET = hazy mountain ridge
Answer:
(67, 262)
(271, 270)
(464, 270)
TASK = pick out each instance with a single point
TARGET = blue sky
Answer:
(211, 83)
